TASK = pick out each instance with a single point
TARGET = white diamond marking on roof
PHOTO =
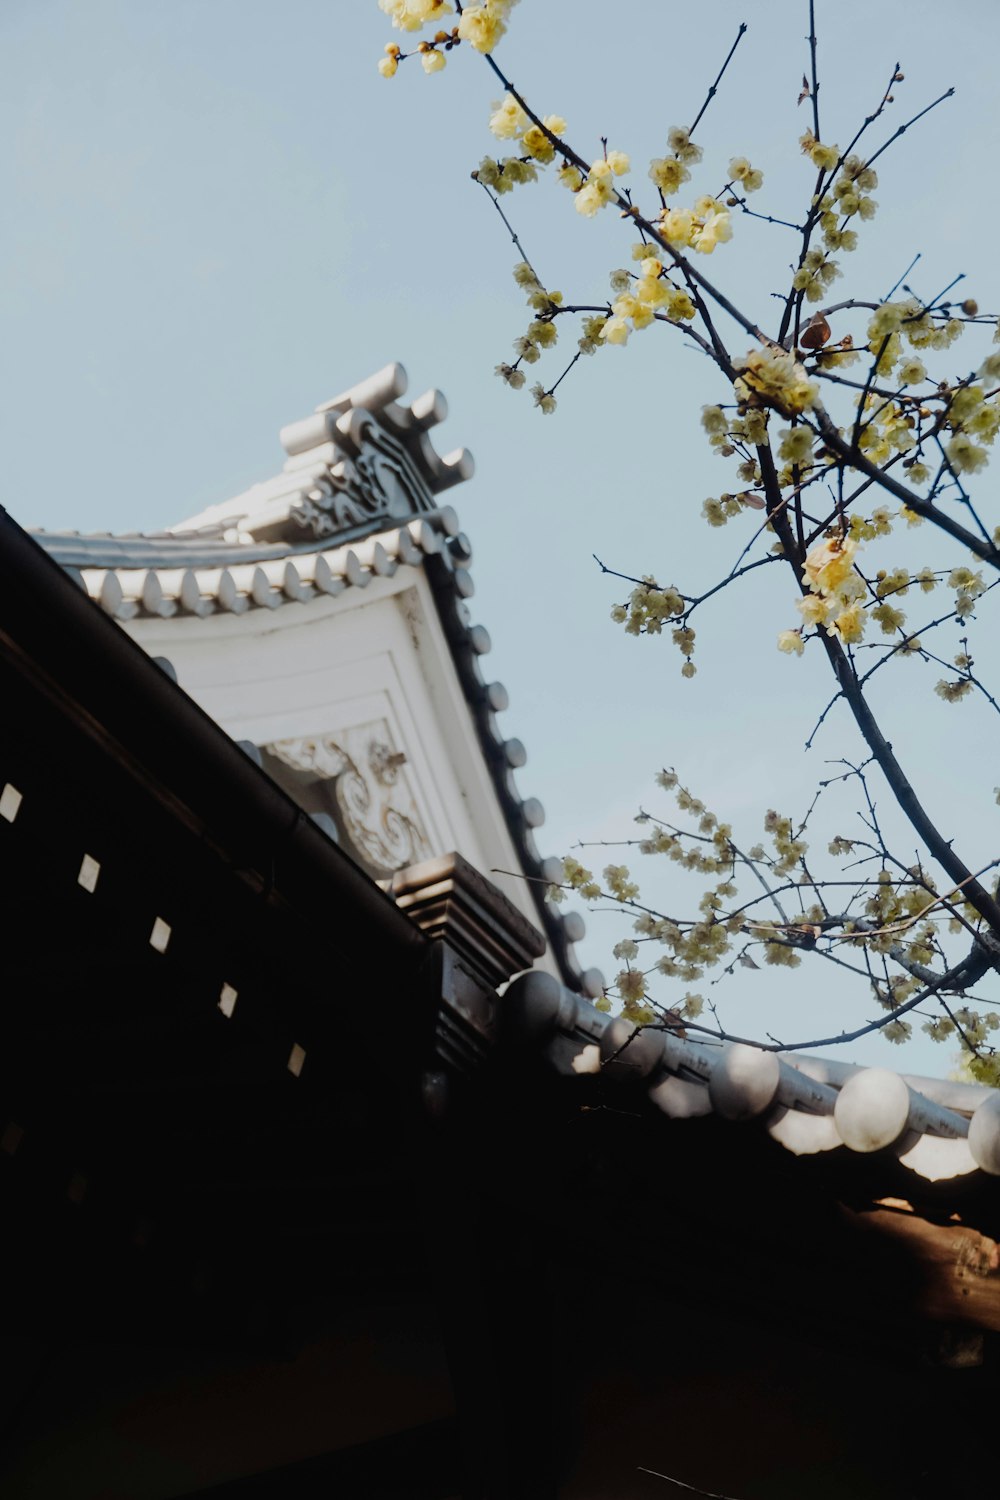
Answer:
(90, 870)
(10, 802)
(227, 1000)
(160, 935)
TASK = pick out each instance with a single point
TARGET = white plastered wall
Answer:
(323, 668)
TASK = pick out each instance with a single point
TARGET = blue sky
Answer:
(217, 215)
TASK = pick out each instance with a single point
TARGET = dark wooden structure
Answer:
(289, 1211)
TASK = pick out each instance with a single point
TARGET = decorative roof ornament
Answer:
(361, 463)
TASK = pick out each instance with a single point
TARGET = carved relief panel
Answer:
(358, 777)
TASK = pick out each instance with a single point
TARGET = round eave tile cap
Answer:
(744, 1082)
(872, 1109)
(984, 1135)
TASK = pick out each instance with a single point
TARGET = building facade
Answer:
(320, 1173)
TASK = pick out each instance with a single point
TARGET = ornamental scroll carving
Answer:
(358, 776)
(379, 481)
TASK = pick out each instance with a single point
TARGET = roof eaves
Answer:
(936, 1129)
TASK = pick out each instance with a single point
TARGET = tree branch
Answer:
(857, 460)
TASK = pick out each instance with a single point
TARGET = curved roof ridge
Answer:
(196, 549)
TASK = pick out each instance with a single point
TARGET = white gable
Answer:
(321, 617)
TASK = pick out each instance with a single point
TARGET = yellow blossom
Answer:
(432, 60)
(791, 641)
(619, 884)
(516, 170)
(680, 305)
(813, 608)
(625, 306)
(483, 25)
(668, 174)
(615, 331)
(889, 618)
(896, 582)
(912, 371)
(579, 878)
(952, 692)
(410, 15)
(796, 445)
(678, 138)
(985, 423)
(829, 563)
(631, 984)
(653, 290)
(538, 145)
(749, 178)
(619, 162)
(542, 332)
(849, 624)
(821, 156)
(678, 226)
(595, 193)
(781, 954)
(510, 376)
(964, 455)
(886, 320)
(776, 374)
(715, 229)
(966, 581)
(387, 67)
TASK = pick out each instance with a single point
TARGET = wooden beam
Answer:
(960, 1266)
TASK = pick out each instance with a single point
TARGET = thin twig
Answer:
(894, 289)
(510, 228)
(715, 86)
(813, 68)
(691, 1488)
(948, 93)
